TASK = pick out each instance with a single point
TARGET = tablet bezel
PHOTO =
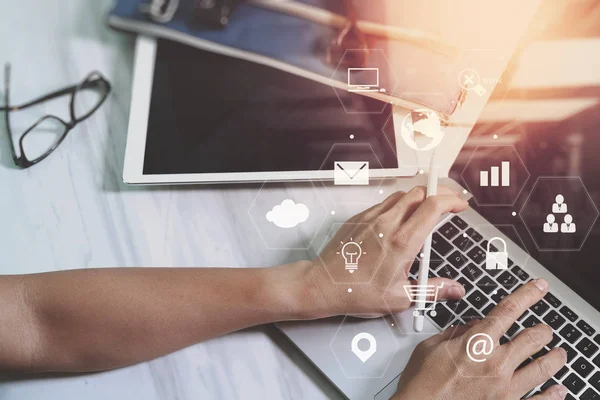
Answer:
(143, 75)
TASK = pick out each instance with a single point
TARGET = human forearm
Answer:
(99, 319)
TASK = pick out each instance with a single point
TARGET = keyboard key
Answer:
(570, 333)
(586, 347)
(477, 255)
(456, 322)
(447, 272)
(414, 268)
(493, 272)
(471, 314)
(522, 317)
(590, 394)
(597, 338)
(488, 309)
(549, 382)
(484, 245)
(554, 302)
(458, 221)
(448, 230)
(571, 316)
(499, 295)
(540, 308)
(473, 234)
(569, 397)
(440, 244)
(457, 306)
(554, 319)
(595, 380)
(571, 353)
(525, 363)
(561, 372)
(466, 284)
(574, 383)
(510, 262)
(457, 259)
(477, 299)
(504, 340)
(472, 271)
(554, 341)
(514, 328)
(531, 321)
(540, 353)
(507, 280)
(582, 367)
(522, 275)
(463, 242)
(435, 257)
(586, 328)
(487, 285)
(443, 316)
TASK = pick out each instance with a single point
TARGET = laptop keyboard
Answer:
(458, 253)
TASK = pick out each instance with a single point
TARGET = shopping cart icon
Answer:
(430, 293)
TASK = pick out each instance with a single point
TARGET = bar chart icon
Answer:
(495, 177)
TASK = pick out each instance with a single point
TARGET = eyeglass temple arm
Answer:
(68, 90)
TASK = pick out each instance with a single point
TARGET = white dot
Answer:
(421, 255)
(350, 290)
(465, 191)
(381, 235)
(495, 136)
(465, 234)
(514, 214)
(351, 136)
(421, 172)
(380, 191)
(332, 212)
(392, 324)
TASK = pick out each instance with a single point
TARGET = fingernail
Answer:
(457, 291)
(562, 391)
(541, 284)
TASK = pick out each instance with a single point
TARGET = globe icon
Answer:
(421, 130)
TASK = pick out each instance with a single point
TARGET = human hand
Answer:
(390, 235)
(440, 368)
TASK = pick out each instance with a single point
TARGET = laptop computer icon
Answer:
(364, 80)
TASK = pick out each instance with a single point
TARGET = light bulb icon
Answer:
(351, 252)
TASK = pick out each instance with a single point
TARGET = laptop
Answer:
(460, 246)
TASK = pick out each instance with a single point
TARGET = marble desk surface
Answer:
(73, 211)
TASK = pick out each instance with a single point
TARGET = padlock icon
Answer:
(496, 259)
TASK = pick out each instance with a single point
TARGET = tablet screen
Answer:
(210, 113)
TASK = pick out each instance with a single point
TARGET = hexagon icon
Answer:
(559, 213)
(495, 175)
(341, 154)
(403, 288)
(474, 353)
(287, 216)
(364, 348)
(481, 72)
(354, 253)
(373, 76)
(516, 256)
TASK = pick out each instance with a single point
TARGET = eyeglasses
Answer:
(349, 38)
(86, 98)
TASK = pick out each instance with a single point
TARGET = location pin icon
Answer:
(364, 355)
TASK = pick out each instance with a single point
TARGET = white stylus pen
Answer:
(432, 185)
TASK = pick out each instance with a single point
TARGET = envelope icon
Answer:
(351, 173)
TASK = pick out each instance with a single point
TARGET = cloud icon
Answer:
(288, 214)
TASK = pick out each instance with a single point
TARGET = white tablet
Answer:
(201, 117)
